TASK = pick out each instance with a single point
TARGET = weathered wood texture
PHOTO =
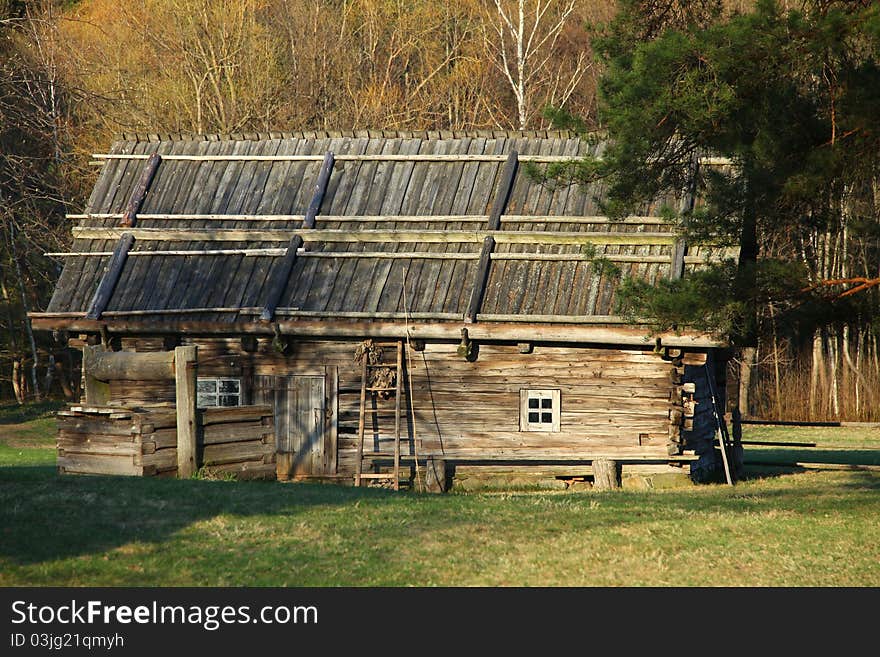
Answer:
(235, 193)
(237, 441)
(185, 377)
(619, 403)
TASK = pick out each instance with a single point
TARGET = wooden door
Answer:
(300, 421)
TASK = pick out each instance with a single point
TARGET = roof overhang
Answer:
(480, 331)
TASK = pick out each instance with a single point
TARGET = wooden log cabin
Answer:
(397, 299)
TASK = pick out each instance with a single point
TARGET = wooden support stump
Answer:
(435, 476)
(606, 474)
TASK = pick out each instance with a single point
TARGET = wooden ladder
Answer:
(366, 368)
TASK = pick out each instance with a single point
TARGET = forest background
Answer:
(76, 74)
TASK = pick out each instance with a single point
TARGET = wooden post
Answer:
(95, 391)
(435, 475)
(606, 474)
(185, 379)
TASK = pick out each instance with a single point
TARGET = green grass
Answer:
(840, 445)
(803, 529)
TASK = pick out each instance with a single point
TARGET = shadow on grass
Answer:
(19, 413)
(46, 517)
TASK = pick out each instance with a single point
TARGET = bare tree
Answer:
(523, 37)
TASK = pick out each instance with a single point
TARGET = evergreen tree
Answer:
(792, 99)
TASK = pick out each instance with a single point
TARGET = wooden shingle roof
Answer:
(400, 233)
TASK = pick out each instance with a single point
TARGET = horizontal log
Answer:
(67, 448)
(234, 452)
(394, 236)
(219, 414)
(559, 319)
(382, 218)
(345, 157)
(579, 257)
(71, 438)
(83, 426)
(164, 438)
(274, 253)
(512, 332)
(92, 464)
(110, 365)
(549, 456)
(293, 312)
(161, 459)
(233, 432)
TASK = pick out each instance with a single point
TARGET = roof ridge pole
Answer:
(502, 196)
(282, 276)
(680, 248)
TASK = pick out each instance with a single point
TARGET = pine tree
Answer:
(792, 99)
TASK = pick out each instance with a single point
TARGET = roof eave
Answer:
(480, 331)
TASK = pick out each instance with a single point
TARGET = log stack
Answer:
(143, 442)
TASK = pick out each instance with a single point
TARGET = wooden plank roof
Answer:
(398, 234)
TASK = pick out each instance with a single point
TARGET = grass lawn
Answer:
(806, 528)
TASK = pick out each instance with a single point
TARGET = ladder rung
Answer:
(371, 475)
(389, 366)
(381, 389)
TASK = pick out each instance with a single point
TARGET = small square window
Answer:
(540, 410)
(218, 392)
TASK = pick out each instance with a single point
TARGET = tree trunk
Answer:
(776, 376)
(833, 370)
(25, 308)
(747, 357)
(817, 374)
(16, 379)
(63, 381)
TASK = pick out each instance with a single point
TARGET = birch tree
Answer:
(523, 36)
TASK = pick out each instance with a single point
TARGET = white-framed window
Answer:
(539, 410)
(218, 392)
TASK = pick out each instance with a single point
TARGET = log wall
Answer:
(619, 403)
(119, 441)
(623, 403)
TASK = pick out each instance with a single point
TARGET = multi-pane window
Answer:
(539, 410)
(218, 392)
